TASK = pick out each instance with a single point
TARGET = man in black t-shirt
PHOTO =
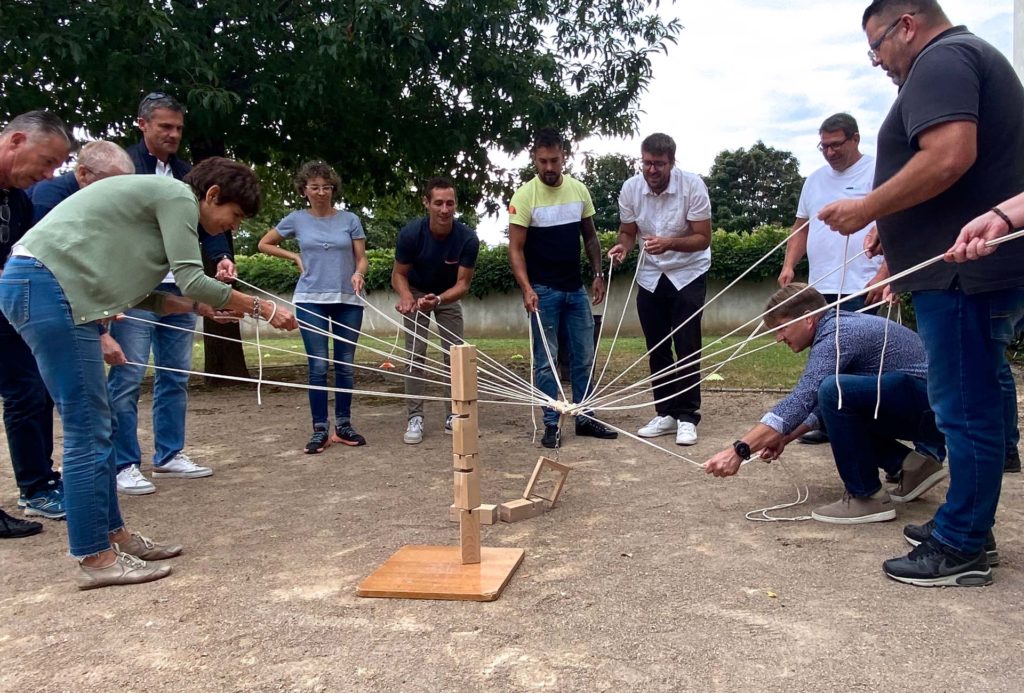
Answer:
(951, 147)
(434, 260)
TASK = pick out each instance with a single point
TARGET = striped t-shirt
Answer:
(552, 217)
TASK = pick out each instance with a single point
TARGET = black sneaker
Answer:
(550, 439)
(813, 437)
(586, 426)
(13, 528)
(347, 435)
(931, 564)
(1012, 463)
(320, 441)
(915, 534)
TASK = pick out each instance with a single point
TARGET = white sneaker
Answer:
(414, 433)
(658, 426)
(181, 466)
(131, 482)
(686, 433)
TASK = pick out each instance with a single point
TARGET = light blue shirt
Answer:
(328, 259)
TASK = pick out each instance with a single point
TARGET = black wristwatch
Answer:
(742, 449)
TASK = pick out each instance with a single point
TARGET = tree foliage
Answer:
(604, 175)
(752, 187)
(388, 91)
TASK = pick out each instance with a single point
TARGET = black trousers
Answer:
(660, 312)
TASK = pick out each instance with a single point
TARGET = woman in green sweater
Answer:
(95, 255)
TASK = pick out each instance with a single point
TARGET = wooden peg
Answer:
(467, 489)
(465, 436)
(469, 536)
(465, 462)
(463, 358)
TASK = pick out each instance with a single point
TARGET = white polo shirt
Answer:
(667, 215)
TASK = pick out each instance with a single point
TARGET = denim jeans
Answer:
(861, 444)
(28, 414)
(71, 364)
(449, 326)
(573, 308)
(966, 338)
(343, 322)
(171, 348)
(1011, 427)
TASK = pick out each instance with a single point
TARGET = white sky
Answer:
(770, 70)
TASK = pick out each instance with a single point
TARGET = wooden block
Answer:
(465, 462)
(463, 358)
(464, 408)
(453, 513)
(436, 572)
(488, 513)
(465, 436)
(519, 509)
(467, 489)
(561, 470)
(469, 536)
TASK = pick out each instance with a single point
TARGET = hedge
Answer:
(731, 254)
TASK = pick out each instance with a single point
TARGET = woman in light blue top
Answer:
(332, 260)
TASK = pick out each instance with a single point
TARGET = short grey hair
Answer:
(158, 99)
(40, 123)
(104, 158)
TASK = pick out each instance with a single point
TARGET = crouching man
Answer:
(861, 442)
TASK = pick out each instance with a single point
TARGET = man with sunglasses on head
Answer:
(161, 119)
(669, 210)
(834, 271)
(951, 148)
(31, 146)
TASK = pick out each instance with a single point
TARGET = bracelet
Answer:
(256, 313)
(358, 274)
(272, 312)
(1002, 215)
(439, 301)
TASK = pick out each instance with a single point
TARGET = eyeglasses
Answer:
(823, 146)
(875, 45)
(656, 165)
(5, 221)
(320, 188)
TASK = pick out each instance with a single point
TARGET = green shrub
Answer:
(731, 254)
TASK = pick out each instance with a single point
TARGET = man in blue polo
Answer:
(161, 119)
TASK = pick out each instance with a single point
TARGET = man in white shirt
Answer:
(849, 174)
(670, 211)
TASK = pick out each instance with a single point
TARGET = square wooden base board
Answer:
(437, 572)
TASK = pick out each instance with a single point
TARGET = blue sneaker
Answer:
(48, 504)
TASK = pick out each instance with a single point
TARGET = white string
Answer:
(801, 498)
(547, 352)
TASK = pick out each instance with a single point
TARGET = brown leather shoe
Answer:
(125, 570)
(147, 549)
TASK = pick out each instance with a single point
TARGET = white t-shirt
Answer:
(667, 215)
(825, 247)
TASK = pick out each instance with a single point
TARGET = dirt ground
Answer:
(647, 577)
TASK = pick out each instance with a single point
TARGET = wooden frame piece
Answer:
(542, 464)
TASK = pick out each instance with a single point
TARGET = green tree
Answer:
(604, 175)
(390, 92)
(752, 187)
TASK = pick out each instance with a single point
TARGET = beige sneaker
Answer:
(919, 474)
(125, 570)
(147, 549)
(852, 510)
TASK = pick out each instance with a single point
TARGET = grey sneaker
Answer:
(852, 510)
(414, 432)
(181, 466)
(125, 570)
(147, 549)
(919, 474)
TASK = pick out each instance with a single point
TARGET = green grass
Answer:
(772, 368)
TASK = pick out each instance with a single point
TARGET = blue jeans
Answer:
(171, 348)
(862, 444)
(343, 321)
(572, 308)
(28, 414)
(71, 364)
(1011, 428)
(966, 338)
